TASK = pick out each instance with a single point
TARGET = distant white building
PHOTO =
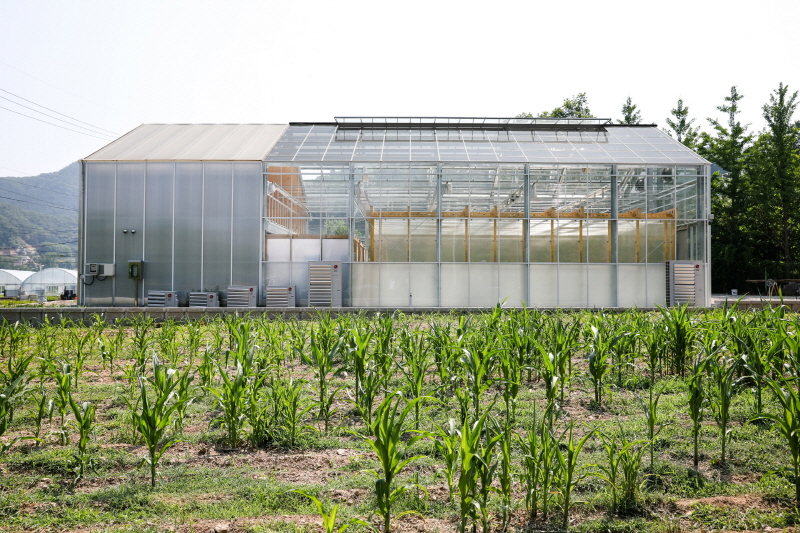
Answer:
(12, 279)
(51, 281)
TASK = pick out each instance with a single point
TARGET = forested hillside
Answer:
(39, 219)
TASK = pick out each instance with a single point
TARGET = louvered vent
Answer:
(280, 296)
(242, 296)
(325, 284)
(320, 284)
(685, 283)
(203, 299)
(164, 298)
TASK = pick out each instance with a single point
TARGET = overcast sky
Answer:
(115, 65)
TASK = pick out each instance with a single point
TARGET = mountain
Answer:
(39, 219)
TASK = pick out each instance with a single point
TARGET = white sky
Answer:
(119, 64)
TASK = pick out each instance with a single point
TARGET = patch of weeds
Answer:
(777, 489)
(734, 519)
(633, 525)
(280, 526)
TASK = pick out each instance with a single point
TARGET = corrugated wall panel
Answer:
(217, 226)
(158, 226)
(99, 243)
(246, 223)
(188, 226)
(130, 216)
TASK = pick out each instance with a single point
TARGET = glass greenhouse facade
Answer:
(432, 212)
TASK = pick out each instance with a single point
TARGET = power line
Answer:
(56, 125)
(34, 197)
(37, 203)
(54, 118)
(56, 112)
(63, 90)
(13, 180)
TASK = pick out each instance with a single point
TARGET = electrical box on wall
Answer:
(99, 269)
(136, 270)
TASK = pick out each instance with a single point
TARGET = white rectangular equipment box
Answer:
(241, 296)
(325, 284)
(99, 269)
(203, 299)
(165, 298)
(280, 296)
(686, 283)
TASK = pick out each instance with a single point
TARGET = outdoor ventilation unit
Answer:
(686, 283)
(325, 284)
(242, 296)
(279, 296)
(203, 299)
(165, 298)
(99, 269)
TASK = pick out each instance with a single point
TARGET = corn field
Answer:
(506, 420)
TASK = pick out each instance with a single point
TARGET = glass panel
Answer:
(543, 241)
(602, 285)
(572, 285)
(658, 241)
(631, 286)
(630, 241)
(365, 284)
(483, 240)
(278, 248)
(571, 246)
(656, 284)
(395, 287)
(513, 285)
(454, 239)
(483, 285)
(454, 283)
(423, 239)
(598, 237)
(424, 285)
(543, 283)
(510, 243)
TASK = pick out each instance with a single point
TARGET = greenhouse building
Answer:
(396, 213)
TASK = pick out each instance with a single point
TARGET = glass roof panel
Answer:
(463, 139)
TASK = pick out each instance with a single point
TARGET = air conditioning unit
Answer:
(325, 284)
(165, 298)
(98, 269)
(239, 296)
(203, 299)
(686, 283)
(280, 296)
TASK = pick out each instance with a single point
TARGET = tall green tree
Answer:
(774, 172)
(732, 250)
(575, 107)
(630, 113)
(681, 126)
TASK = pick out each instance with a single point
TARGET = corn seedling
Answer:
(569, 475)
(621, 471)
(600, 349)
(232, 398)
(697, 399)
(152, 420)
(321, 362)
(722, 372)
(788, 422)
(539, 465)
(84, 416)
(389, 429)
(328, 518)
(447, 444)
(654, 424)
(415, 366)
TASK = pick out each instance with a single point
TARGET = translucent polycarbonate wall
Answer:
(196, 225)
(50, 281)
(475, 234)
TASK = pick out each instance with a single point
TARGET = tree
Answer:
(732, 248)
(575, 107)
(629, 113)
(682, 125)
(775, 175)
